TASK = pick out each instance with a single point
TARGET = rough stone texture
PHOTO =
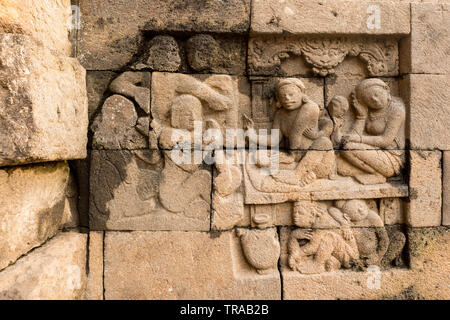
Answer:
(97, 83)
(182, 265)
(94, 286)
(429, 281)
(44, 113)
(45, 20)
(116, 126)
(56, 270)
(164, 196)
(328, 17)
(446, 189)
(427, 97)
(111, 31)
(32, 202)
(428, 48)
(425, 187)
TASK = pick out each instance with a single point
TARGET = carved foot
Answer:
(308, 178)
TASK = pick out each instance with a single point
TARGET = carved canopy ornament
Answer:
(322, 54)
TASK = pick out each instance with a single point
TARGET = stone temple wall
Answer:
(110, 190)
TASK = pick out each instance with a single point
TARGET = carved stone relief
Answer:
(322, 55)
(339, 159)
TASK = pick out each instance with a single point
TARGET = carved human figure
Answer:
(297, 120)
(338, 107)
(374, 149)
(357, 220)
(182, 183)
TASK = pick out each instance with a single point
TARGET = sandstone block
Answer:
(429, 43)
(32, 200)
(446, 187)
(94, 285)
(425, 184)
(165, 196)
(55, 271)
(330, 17)
(111, 32)
(427, 97)
(47, 21)
(44, 113)
(182, 265)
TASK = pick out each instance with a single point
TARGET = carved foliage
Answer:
(322, 54)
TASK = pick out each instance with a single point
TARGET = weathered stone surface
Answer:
(427, 97)
(116, 126)
(45, 20)
(425, 184)
(111, 31)
(97, 83)
(123, 121)
(427, 49)
(94, 285)
(330, 17)
(165, 196)
(44, 113)
(430, 281)
(32, 202)
(56, 270)
(216, 54)
(446, 189)
(182, 265)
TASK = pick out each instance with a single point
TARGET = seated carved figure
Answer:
(297, 119)
(182, 183)
(373, 151)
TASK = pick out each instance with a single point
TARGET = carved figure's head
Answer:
(302, 215)
(185, 110)
(290, 93)
(338, 106)
(374, 93)
(202, 51)
(356, 209)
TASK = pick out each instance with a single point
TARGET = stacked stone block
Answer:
(43, 124)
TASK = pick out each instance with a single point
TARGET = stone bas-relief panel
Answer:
(289, 55)
(146, 190)
(218, 102)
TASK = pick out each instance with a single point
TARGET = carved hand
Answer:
(361, 111)
(310, 133)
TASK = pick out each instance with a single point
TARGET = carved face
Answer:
(185, 111)
(302, 217)
(376, 97)
(291, 97)
(356, 210)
